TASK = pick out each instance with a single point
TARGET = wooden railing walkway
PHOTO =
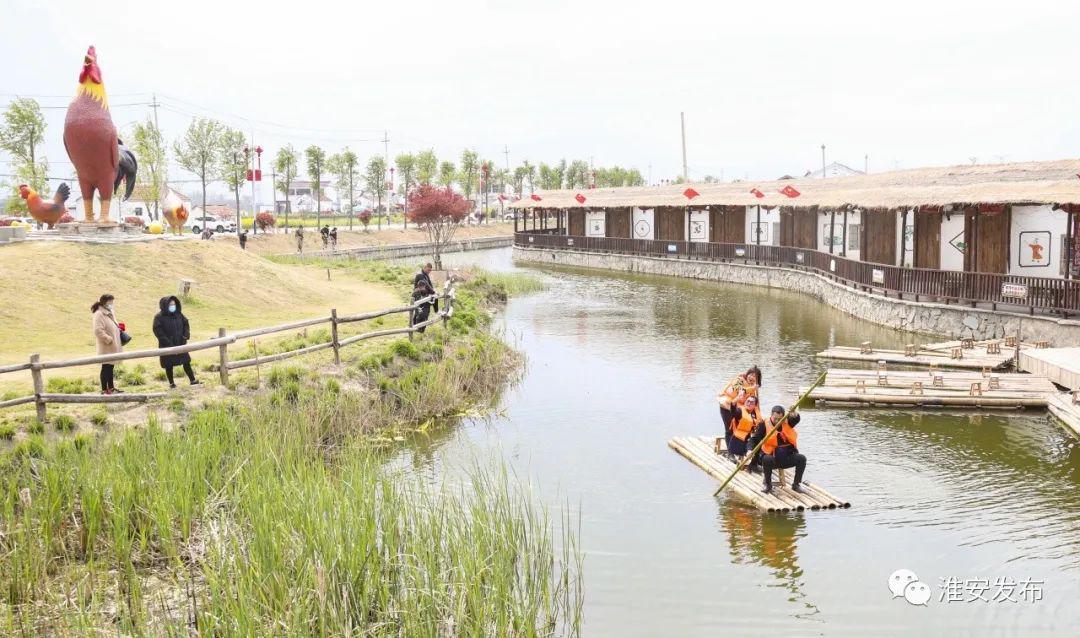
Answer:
(222, 342)
(1046, 294)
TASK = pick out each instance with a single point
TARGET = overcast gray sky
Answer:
(763, 84)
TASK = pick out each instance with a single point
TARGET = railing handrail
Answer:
(222, 341)
(1045, 293)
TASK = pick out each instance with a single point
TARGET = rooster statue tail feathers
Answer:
(126, 170)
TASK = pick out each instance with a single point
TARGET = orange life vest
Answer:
(743, 426)
(731, 393)
(785, 436)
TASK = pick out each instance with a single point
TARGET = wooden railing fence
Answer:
(919, 284)
(222, 342)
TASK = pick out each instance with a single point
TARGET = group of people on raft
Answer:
(745, 427)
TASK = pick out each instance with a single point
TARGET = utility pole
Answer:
(506, 153)
(165, 165)
(822, 161)
(866, 164)
(685, 170)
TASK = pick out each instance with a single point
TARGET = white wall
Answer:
(909, 252)
(643, 223)
(699, 226)
(770, 220)
(824, 222)
(952, 227)
(1041, 226)
(595, 223)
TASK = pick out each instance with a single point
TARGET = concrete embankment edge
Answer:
(952, 321)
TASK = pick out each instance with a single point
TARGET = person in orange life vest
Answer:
(779, 450)
(744, 419)
(735, 394)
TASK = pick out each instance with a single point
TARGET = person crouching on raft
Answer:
(779, 449)
(736, 393)
(744, 419)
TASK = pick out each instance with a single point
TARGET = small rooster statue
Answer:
(90, 139)
(45, 212)
(176, 212)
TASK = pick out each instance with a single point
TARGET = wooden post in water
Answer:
(39, 386)
(223, 359)
(334, 336)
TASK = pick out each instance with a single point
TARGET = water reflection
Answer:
(771, 542)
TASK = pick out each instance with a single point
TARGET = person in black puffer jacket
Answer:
(171, 329)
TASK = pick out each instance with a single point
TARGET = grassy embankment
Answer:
(274, 513)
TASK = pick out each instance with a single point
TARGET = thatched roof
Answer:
(1056, 182)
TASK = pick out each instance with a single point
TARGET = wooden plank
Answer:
(10, 403)
(103, 398)
(971, 360)
(295, 325)
(18, 367)
(281, 356)
(1060, 365)
(137, 354)
(699, 451)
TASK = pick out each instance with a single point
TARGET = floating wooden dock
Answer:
(1060, 365)
(1065, 407)
(936, 388)
(699, 451)
(994, 354)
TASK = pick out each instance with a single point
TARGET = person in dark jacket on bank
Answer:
(171, 329)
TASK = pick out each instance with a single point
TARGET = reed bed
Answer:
(278, 514)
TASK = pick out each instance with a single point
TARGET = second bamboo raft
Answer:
(700, 451)
(934, 389)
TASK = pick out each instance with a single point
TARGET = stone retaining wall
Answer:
(952, 321)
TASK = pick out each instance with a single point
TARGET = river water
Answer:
(978, 505)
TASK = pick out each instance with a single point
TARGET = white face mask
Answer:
(109, 306)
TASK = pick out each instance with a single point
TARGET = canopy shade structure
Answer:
(1053, 182)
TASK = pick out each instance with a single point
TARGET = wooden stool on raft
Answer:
(911, 350)
(967, 343)
(1042, 344)
(957, 353)
(1010, 341)
(860, 386)
(882, 379)
(864, 348)
(939, 380)
(976, 389)
(994, 383)
(1075, 397)
(994, 347)
(986, 371)
(916, 387)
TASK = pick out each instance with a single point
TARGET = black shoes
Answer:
(766, 489)
(196, 382)
(795, 487)
(172, 386)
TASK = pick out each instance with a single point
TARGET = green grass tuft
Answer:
(63, 422)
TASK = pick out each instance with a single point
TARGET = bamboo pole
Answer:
(39, 386)
(223, 358)
(334, 336)
(750, 455)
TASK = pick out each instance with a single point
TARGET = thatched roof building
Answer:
(1055, 182)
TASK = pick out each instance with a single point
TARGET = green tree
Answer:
(470, 167)
(233, 163)
(577, 174)
(406, 166)
(518, 180)
(198, 151)
(530, 174)
(343, 166)
(447, 174)
(149, 148)
(21, 132)
(375, 181)
(427, 166)
(285, 164)
(316, 163)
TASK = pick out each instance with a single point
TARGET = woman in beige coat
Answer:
(107, 335)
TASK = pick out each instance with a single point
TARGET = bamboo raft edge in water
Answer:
(957, 389)
(699, 451)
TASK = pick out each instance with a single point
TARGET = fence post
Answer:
(449, 299)
(223, 358)
(334, 337)
(39, 386)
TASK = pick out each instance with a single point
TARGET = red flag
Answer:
(690, 193)
(790, 191)
(580, 198)
(757, 193)
(534, 197)
(502, 198)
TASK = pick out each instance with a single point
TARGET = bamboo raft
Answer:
(969, 354)
(699, 450)
(1065, 406)
(935, 388)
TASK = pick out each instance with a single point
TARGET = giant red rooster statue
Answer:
(90, 138)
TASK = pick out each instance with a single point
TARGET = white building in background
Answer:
(836, 169)
(302, 197)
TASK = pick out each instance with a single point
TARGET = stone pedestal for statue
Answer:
(97, 229)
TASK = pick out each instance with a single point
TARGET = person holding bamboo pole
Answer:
(745, 419)
(779, 448)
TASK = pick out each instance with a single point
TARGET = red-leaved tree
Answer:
(439, 211)
(365, 217)
(265, 221)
